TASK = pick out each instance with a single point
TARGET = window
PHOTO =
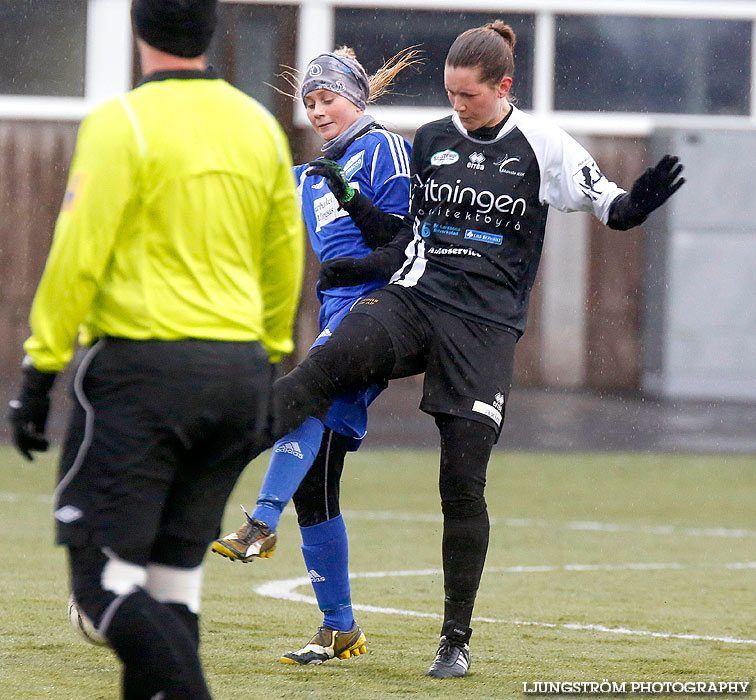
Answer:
(376, 35)
(251, 44)
(43, 47)
(641, 64)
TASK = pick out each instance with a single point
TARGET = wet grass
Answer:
(621, 567)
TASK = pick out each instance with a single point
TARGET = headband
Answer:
(339, 74)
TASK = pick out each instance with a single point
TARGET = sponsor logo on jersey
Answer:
(354, 164)
(498, 403)
(587, 177)
(439, 250)
(506, 166)
(485, 201)
(487, 410)
(483, 237)
(444, 229)
(368, 301)
(446, 157)
(326, 210)
(290, 448)
(475, 161)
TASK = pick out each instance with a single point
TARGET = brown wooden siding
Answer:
(614, 285)
(34, 161)
(528, 366)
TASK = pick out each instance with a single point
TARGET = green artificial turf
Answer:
(601, 567)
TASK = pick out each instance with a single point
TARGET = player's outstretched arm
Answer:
(654, 187)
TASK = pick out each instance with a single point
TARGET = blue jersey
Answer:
(377, 165)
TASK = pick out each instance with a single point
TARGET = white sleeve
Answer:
(572, 181)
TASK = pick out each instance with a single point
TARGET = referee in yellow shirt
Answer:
(177, 261)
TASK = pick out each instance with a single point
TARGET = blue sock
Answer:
(292, 458)
(326, 554)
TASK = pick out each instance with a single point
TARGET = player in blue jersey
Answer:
(353, 200)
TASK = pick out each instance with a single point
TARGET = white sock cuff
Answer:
(120, 576)
(172, 584)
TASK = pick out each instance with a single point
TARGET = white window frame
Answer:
(109, 58)
(316, 34)
(108, 68)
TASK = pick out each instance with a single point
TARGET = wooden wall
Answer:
(34, 161)
(615, 279)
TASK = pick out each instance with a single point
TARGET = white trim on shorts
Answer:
(88, 423)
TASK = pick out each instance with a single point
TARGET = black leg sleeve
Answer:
(465, 450)
(317, 498)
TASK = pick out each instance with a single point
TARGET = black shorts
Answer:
(159, 434)
(467, 363)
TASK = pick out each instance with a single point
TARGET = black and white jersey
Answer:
(478, 212)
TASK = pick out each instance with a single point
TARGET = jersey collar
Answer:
(207, 74)
(508, 125)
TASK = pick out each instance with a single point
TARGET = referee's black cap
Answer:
(179, 27)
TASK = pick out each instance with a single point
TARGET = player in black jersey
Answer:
(461, 271)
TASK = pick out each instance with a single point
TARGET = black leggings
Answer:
(364, 354)
(359, 354)
(465, 450)
(317, 498)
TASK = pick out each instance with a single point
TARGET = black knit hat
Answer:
(179, 27)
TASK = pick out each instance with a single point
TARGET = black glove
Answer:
(28, 413)
(346, 272)
(654, 187)
(657, 185)
(335, 179)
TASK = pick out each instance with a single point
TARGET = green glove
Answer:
(335, 179)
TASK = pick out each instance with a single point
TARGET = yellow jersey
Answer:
(180, 221)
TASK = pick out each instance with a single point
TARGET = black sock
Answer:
(157, 651)
(190, 620)
(465, 543)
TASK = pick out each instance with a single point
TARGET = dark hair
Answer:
(490, 47)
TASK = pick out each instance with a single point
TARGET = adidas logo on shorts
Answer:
(291, 448)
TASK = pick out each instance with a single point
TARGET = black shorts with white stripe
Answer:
(467, 362)
(159, 433)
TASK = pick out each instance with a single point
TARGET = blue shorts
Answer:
(348, 414)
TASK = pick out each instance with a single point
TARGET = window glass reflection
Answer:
(376, 35)
(643, 64)
(43, 47)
